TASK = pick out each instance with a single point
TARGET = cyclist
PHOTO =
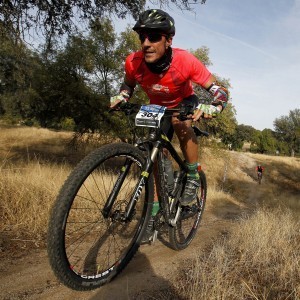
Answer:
(166, 75)
(259, 170)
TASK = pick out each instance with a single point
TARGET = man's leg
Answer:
(169, 131)
(187, 139)
(189, 148)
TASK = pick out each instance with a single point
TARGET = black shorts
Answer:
(167, 127)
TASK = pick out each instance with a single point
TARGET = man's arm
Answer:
(126, 91)
(128, 85)
(220, 95)
(219, 92)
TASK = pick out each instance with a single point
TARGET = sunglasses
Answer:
(152, 37)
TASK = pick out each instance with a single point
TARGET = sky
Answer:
(253, 43)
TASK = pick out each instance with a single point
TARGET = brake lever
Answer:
(183, 117)
(185, 111)
(125, 107)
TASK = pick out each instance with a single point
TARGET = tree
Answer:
(242, 133)
(61, 17)
(224, 124)
(255, 140)
(246, 132)
(17, 65)
(287, 129)
(267, 142)
(105, 58)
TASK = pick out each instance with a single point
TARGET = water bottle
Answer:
(169, 173)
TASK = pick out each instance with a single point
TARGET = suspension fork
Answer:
(116, 189)
(142, 180)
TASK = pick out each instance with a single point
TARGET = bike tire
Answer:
(184, 231)
(85, 249)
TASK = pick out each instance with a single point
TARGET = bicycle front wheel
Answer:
(186, 227)
(86, 247)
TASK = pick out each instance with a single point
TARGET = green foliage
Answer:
(17, 67)
(128, 42)
(243, 133)
(69, 87)
(102, 42)
(202, 54)
(287, 129)
(68, 124)
(282, 148)
(255, 140)
(267, 142)
(264, 142)
(246, 132)
(53, 18)
(224, 124)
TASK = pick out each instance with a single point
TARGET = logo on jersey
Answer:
(157, 89)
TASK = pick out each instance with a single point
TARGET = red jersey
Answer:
(260, 169)
(170, 87)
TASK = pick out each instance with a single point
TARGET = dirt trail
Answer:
(30, 277)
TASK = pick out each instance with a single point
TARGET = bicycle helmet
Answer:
(155, 19)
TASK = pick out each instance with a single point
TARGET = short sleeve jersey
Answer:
(170, 87)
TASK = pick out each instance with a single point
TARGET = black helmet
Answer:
(155, 19)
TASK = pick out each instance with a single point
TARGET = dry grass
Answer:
(260, 259)
(17, 140)
(29, 182)
(27, 191)
(281, 181)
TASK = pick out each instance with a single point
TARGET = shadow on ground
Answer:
(136, 282)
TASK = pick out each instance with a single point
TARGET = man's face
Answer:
(154, 45)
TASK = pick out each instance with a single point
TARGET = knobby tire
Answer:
(85, 249)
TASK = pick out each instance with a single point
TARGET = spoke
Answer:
(83, 237)
(99, 190)
(83, 227)
(93, 201)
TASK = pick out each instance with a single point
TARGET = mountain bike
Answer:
(102, 211)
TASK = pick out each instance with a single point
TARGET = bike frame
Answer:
(153, 146)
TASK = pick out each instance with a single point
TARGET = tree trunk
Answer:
(293, 153)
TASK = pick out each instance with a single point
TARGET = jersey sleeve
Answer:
(198, 72)
(129, 72)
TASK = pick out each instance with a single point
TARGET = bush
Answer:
(67, 124)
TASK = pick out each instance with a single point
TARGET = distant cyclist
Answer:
(259, 170)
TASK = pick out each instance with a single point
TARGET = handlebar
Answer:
(183, 112)
(130, 108)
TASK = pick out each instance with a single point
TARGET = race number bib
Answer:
(150, 115)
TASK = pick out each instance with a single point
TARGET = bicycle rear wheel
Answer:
(85, 248)
(186, 227)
